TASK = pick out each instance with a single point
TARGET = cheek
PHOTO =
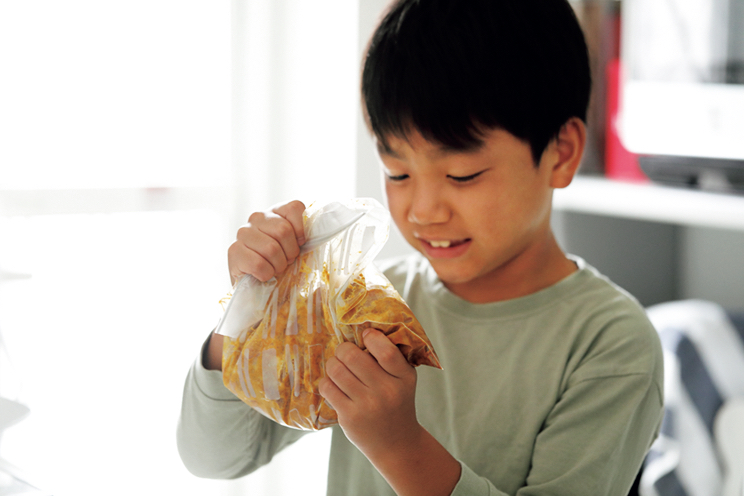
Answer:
(531, 213)
(396, 203)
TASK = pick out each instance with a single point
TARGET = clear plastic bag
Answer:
(279, 334)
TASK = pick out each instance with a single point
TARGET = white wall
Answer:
(659, 262)
(712, 266)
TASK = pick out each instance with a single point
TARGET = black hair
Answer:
(451, 69)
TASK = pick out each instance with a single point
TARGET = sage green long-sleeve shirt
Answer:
(555, 393)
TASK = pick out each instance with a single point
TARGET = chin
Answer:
(452, 275)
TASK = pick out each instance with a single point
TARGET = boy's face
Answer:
(481, 217)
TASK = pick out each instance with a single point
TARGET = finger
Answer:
(361, 364)
(243, 260)
(256, 253)
(276, 227)
(344, 378)
(325, 393)
(329, 390)
(386, 353)
(293, 212)
(279, 230)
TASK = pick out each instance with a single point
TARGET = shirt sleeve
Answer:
(596, 437)
(471, 484)
(593, 442)
(219, 436)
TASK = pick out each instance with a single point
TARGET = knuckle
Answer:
(345, 350)
(296, 206)
(272, 249)
(243, 232)
(285, 230)
(259, 268)
(333, 366)
(388, 354)
(256, 217)
(292, 253)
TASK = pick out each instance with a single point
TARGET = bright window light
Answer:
(114, 94)
(144, 98)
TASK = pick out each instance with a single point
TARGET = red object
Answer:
(619, 162)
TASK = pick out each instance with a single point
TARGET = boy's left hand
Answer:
(373, 394)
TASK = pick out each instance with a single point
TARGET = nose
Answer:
(427, 207)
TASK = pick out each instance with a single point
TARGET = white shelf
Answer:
(651, 202)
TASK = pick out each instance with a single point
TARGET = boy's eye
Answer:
(399, 177)
(464, 179)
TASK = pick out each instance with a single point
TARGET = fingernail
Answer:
(301, 241)
(366, 331)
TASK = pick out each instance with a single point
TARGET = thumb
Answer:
(386, 353)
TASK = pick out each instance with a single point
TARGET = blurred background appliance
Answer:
(682, 90)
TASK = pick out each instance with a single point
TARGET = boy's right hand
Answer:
(268, 243)
(264, 247)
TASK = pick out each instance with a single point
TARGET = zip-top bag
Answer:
(279, 334)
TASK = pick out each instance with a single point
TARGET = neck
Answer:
(537, 268)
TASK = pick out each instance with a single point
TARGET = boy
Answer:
(552, 380)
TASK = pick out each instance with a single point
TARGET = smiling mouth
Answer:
(447, 243)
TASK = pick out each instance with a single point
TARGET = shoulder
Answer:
(601, 300)
(616, 336)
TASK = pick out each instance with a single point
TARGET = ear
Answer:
(564, 152)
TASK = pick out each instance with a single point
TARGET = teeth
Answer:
(440, 244)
